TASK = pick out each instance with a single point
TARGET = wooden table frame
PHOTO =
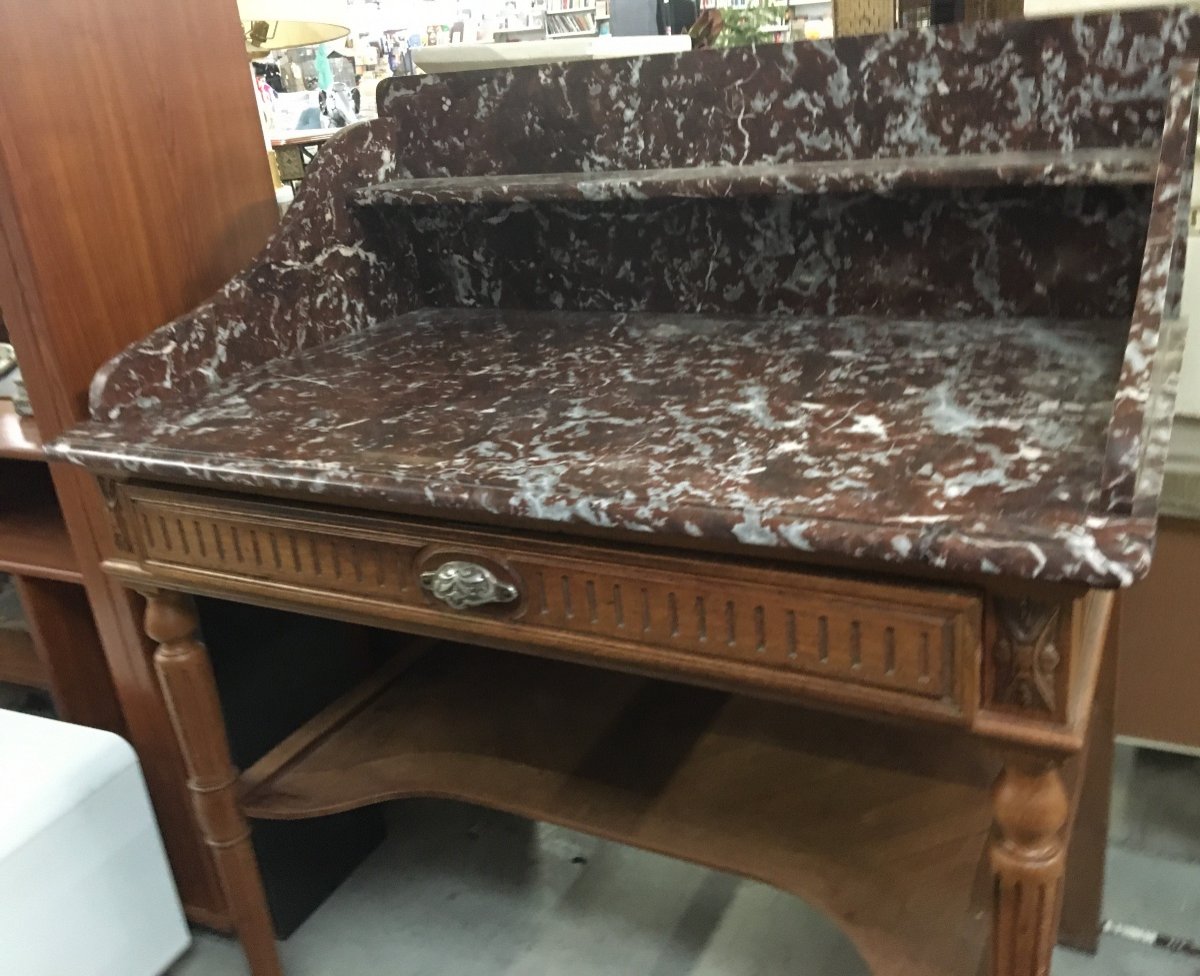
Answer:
(1023, 670)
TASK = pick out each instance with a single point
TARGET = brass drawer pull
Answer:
(461, 585)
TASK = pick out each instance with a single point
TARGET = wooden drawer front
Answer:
(232, 541)
(788, 627)
(912, 641)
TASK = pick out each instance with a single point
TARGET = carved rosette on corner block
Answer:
(1025, 658)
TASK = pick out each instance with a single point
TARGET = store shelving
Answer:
(19, 662)
(48, 637)
(33, 537)
(571, 20)
(19, 438)
(558, 18)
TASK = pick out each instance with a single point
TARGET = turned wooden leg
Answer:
(186, 676)
(1029, 859)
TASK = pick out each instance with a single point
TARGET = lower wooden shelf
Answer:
(885, 832)
(19, 663)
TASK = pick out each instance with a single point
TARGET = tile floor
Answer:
(459, 891)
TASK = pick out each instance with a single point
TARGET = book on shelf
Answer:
(559, 22)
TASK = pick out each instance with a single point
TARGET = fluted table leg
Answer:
(1028, 857)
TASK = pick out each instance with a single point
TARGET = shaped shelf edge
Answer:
(1122, 166)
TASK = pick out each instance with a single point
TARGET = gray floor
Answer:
(458, 891)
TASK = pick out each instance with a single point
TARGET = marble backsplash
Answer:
(920, 253)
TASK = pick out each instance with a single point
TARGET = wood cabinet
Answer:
(130, 187)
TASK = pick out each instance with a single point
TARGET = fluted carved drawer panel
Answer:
(779, 628)
(339, 561)
(789, 628)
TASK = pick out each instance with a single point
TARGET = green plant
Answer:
(742, 25)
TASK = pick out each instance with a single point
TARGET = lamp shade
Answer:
(272, 25)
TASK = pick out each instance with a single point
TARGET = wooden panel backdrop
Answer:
(133, 182)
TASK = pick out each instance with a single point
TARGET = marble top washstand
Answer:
(909, 299)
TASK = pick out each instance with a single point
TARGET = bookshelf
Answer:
(550, 19)
(565, 18)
